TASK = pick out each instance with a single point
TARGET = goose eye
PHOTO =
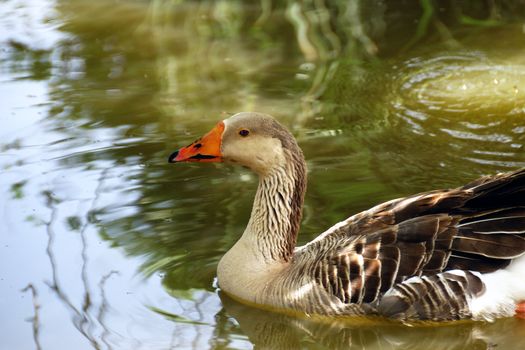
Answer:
(244, 132)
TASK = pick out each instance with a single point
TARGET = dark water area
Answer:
(103, 245)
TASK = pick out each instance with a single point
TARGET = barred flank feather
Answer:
(444, 296)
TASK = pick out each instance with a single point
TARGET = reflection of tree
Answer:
(101, 315)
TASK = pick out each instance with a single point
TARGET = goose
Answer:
(442, 255)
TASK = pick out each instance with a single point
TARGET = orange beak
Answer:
(205, 149)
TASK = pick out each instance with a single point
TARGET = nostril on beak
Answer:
(171, 158)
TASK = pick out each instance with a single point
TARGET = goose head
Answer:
(254, 140)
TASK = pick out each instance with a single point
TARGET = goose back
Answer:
(419, 257)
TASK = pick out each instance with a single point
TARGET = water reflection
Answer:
(267, 330)
(119, 250)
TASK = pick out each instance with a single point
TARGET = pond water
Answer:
(104, 245)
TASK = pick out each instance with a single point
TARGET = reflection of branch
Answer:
(266, 10)
(423, 24)
(103, 307)
(301, 26)
(175, 338)
(323, 76)
(358, 29)
(79, 319)
(87, 300)
(198, 333)
(50, 201)
(183, 320)
(324, 21)
(221, 334)
(35, 319)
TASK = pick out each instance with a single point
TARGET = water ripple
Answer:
(468, 101)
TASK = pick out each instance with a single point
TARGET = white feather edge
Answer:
(503, 290)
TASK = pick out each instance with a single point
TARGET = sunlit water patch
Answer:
(465, 83)
(471, 103)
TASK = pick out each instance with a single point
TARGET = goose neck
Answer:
(276, 214)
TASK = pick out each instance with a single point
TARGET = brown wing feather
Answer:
(478, 227)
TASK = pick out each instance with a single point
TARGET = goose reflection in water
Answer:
(269, 330)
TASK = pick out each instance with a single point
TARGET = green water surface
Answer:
(103, 245)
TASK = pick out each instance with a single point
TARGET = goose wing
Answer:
(478, 227)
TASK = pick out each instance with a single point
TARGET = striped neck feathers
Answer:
(277, 208)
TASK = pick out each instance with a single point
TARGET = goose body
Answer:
(440, 255)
